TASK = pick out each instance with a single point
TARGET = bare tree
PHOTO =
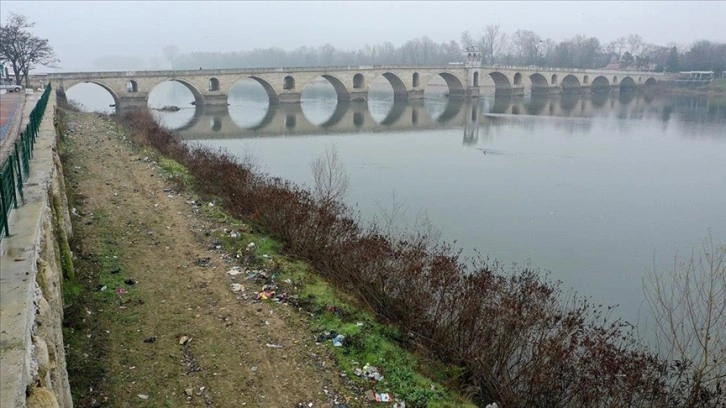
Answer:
(689, 309)
(426, 48)
(492, 40)
(528, 45)
(466, 39)
(23, 49)
(329, 176)
(635, 44)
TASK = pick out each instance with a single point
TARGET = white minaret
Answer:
(472, 63)
(473, 57)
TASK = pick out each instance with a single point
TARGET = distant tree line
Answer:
(523, 47)
(419, 51)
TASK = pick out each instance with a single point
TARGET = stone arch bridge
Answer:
(131, 89)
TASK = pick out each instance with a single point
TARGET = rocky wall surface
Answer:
(32, 264)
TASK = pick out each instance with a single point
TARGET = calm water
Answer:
(597, 189)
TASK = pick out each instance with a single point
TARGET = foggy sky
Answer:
(82, 32)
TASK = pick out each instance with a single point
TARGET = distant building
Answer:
(696, 75)
(613, 66)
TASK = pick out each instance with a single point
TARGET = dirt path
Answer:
(173, 334)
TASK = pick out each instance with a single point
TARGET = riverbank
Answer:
(490, 333)
(507, 330)
(717, 87)
(174, 299)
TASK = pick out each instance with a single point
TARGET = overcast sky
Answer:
(81, 32)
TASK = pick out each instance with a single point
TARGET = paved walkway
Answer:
(14, 112)
(9, 103)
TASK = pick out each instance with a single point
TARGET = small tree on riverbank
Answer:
(22, 49)
(330, 179)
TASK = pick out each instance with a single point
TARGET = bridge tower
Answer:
(472, 64)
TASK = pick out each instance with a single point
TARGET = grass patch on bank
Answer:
(176, 173)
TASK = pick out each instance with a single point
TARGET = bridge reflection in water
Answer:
(289, 119)
(216, 122)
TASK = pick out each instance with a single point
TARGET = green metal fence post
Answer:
(19, 176)
(4, 228)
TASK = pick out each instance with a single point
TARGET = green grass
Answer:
(110, 259)
(175, 172)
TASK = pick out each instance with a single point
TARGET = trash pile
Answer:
(266, 276)
(337, 339)
(369, 372)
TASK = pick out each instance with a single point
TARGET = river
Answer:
(597, 189)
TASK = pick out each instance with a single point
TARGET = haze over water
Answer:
(598, 189)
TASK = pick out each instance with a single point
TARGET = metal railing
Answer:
(16, 168)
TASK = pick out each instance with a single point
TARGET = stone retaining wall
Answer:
(32, 354)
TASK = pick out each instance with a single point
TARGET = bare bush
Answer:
(688, 305)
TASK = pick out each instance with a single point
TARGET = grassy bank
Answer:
(510, 336)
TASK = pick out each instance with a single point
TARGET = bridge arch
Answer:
(570, 83)
(198, 98)
(453, 82)
(132, 86)
(586, 79)
(288, 83)
(342, 91)
(650, 82)
(106, 87)
(615, 79)
(553, 80)
(213, 84)
(600, 83)
(539, 82)
(627, 84)
(501, 82)
(358, 81)
(415, 80)
(399, 88)
(517, 79)
(269, 89)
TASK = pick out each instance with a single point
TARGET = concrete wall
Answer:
(32, 355)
